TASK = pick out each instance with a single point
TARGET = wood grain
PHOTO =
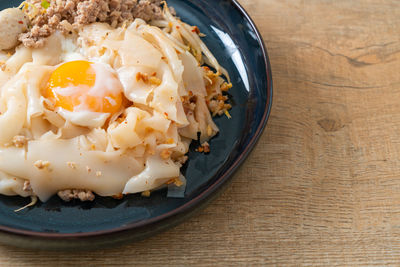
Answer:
(323, 185)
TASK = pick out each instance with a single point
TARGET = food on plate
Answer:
(103, 97)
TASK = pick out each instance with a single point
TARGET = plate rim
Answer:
(197, 201)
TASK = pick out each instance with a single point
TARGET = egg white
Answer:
(84, 118)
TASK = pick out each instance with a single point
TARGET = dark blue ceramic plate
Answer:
(238, 46)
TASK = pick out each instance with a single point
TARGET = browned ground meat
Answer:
(81, 194)
(63, 13)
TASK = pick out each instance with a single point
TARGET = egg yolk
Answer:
(84, 86)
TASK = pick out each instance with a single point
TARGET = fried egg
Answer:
(85, 93)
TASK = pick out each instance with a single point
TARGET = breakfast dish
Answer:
(102, 97)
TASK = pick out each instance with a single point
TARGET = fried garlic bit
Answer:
(175, 181)
(165, 154)
(19, 141)
(42, 164)
(226, 86)
(72, 165)
(204, 148)
(146, 79)
(146, 193)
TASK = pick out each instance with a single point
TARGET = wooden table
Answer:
(323, 185)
